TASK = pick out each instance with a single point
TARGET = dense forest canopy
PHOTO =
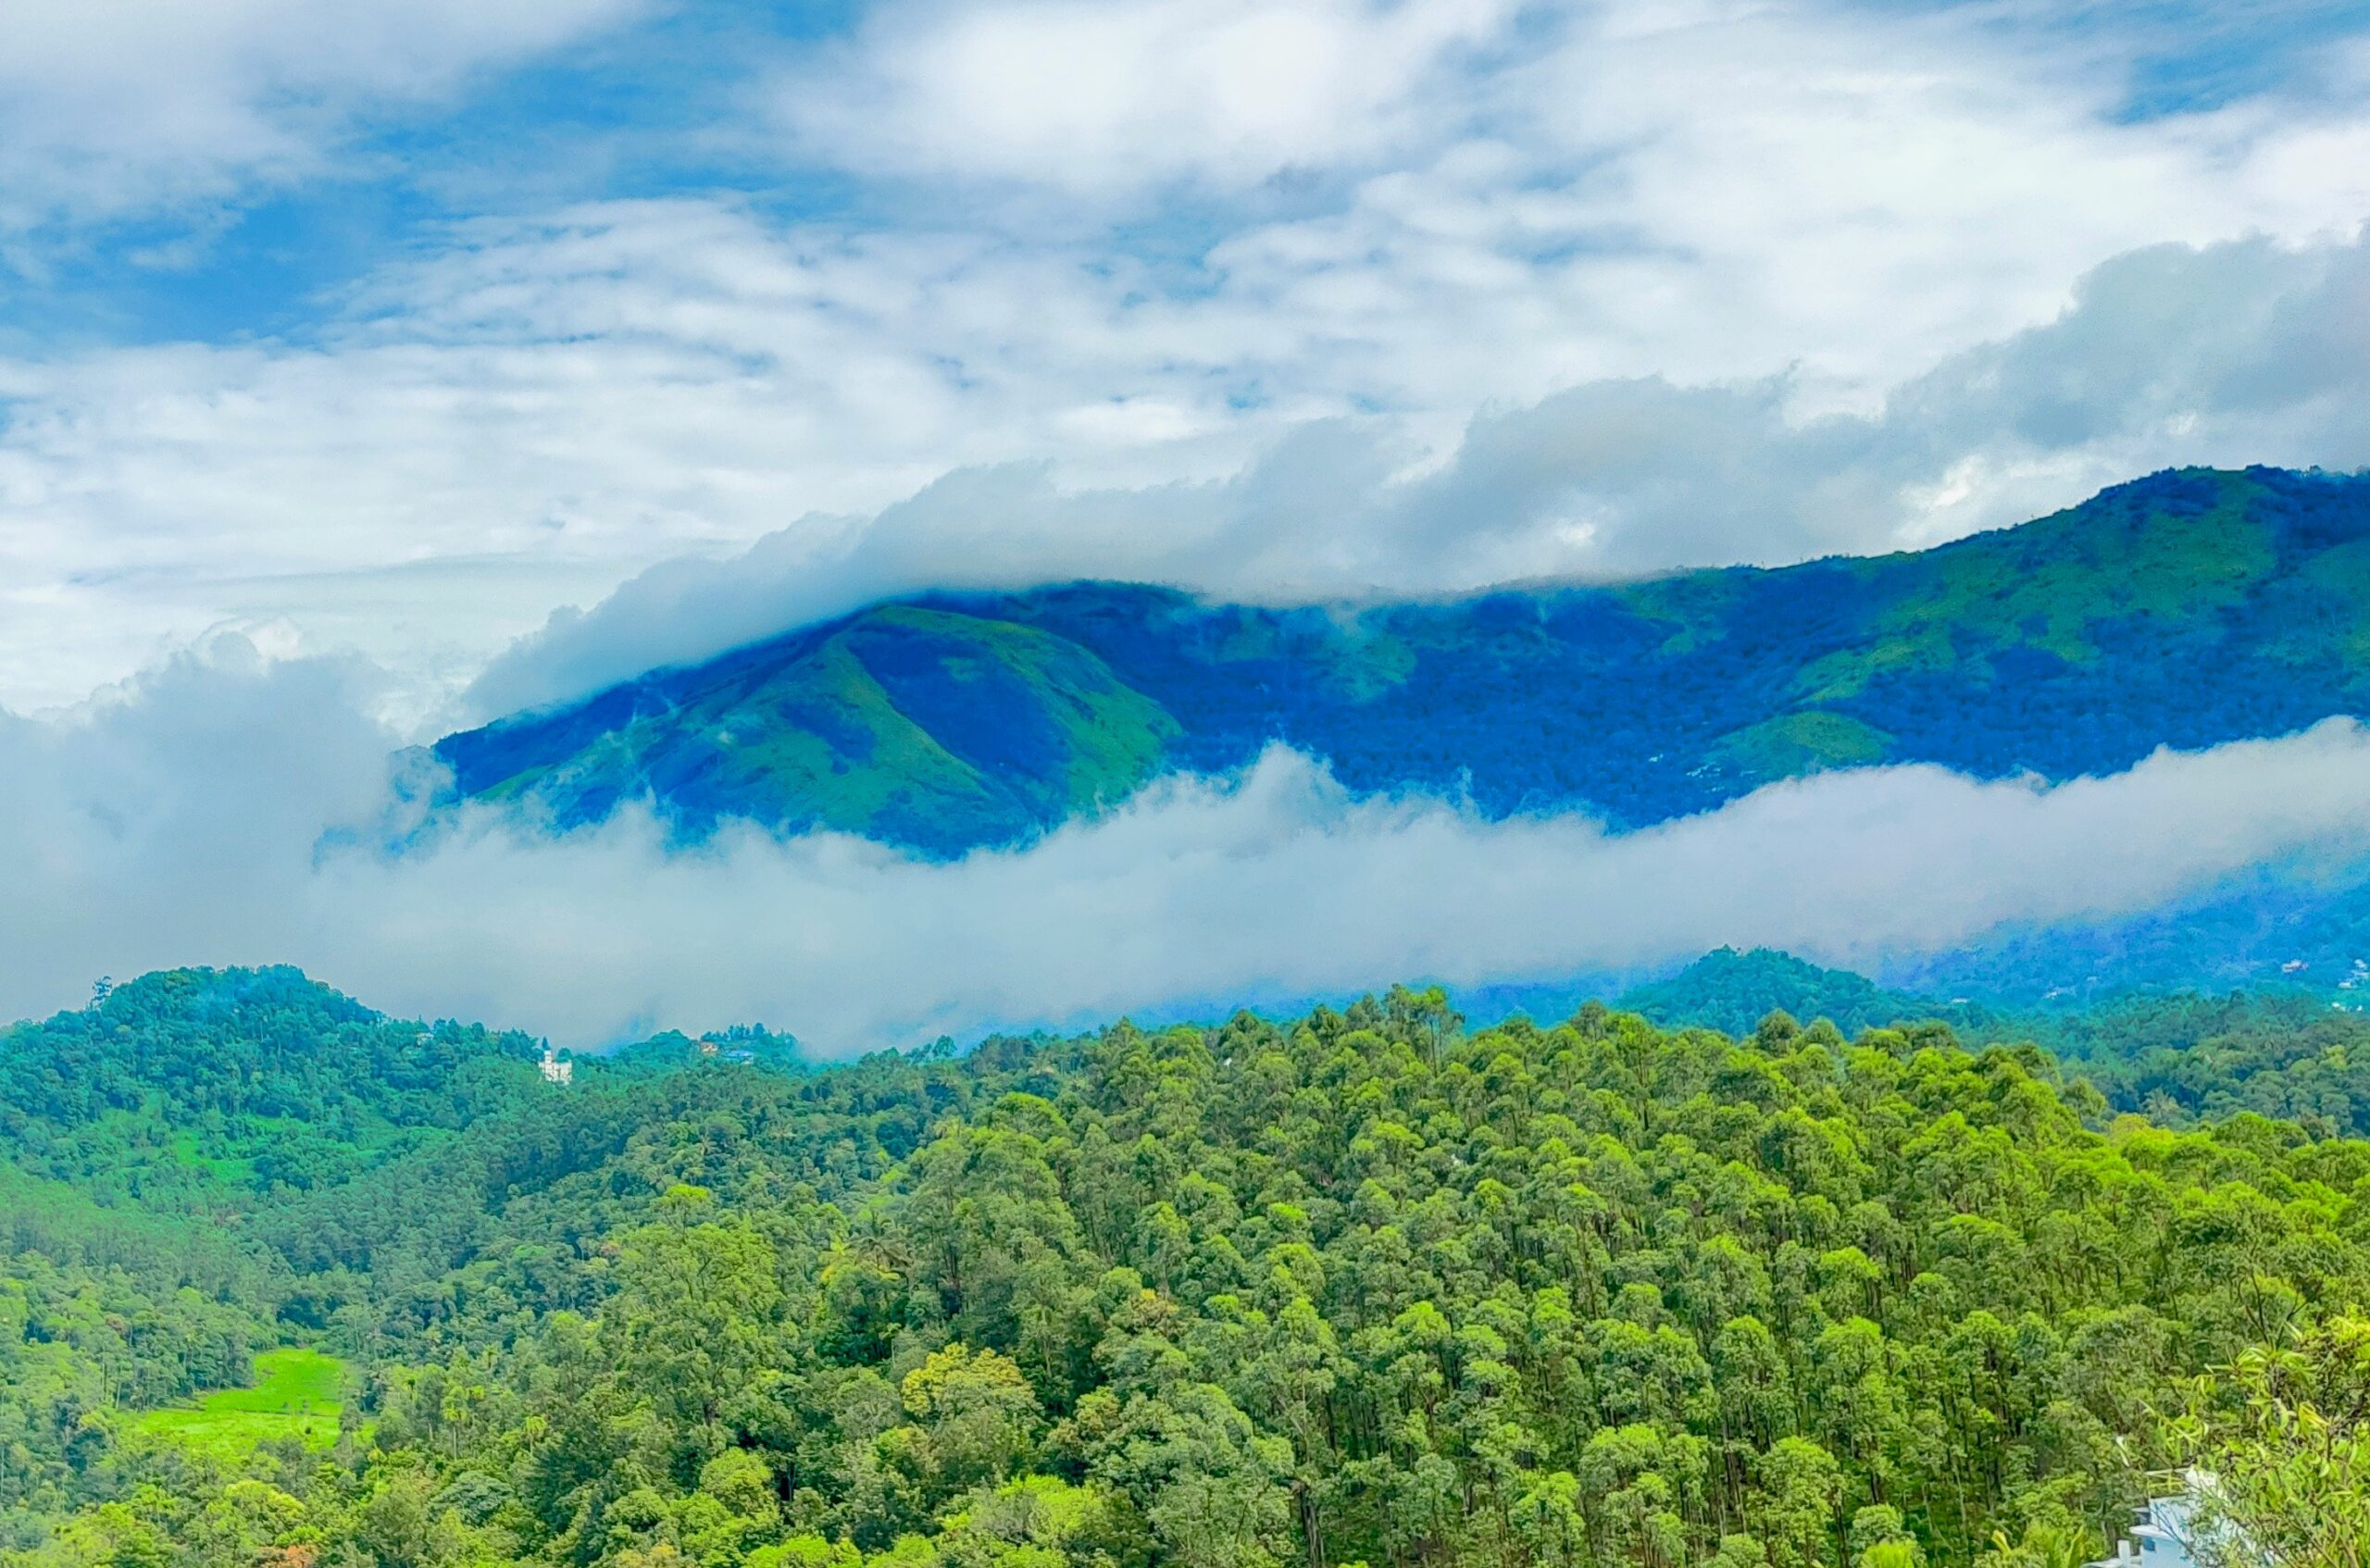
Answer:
(1367, 1286)
(2282, 1052)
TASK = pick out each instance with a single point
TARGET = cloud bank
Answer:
(182, 821)
(2244, 352)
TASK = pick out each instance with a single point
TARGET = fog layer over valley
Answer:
(228, 809)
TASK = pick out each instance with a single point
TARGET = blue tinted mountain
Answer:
(2185, 609)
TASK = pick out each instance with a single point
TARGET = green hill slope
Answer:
(208, 1086)
(2185, 609)
(915, 724)
(1733, 991)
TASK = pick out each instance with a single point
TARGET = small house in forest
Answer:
(2169, 1534)
(2159, 1537)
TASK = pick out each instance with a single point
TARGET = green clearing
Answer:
(229, 1170)
(1807, 740)
(297, 1393)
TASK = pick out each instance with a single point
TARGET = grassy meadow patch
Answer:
(297, 1393)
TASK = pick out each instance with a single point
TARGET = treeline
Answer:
(1363, 1286)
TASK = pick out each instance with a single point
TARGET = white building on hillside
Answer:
(2160, 1539)
(2168, 1534)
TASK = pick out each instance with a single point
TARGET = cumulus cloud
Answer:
(2244, 352)
(1516, 196)
(1101, 97)
(110, 108)
(183, 821)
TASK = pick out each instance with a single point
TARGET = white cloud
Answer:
(1505, 199)
(110, 107)
(1105, 96)
(558, 407)
(180, 821)
(2241, 353)
(1688, 190)
(521, 420)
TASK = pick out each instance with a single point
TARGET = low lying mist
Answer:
(226, 809)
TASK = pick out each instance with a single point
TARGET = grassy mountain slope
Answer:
(916, 723)
(2184, 609)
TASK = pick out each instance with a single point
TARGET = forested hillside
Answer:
(1733, 991)
(186, 1083)
(2181, 610)
(1368, 1286)
(160, 1149)
(2179, 1057)
(2266, 923)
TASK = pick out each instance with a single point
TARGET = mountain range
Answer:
(2185, 609)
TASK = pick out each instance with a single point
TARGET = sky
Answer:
(400, 333)
(368, 372)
